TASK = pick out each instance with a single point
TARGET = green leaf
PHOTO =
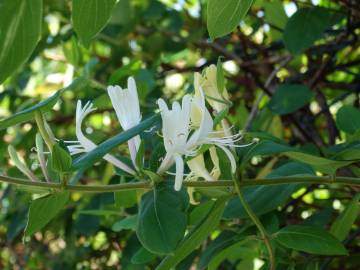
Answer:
(142, 256)
(226, 238)
(321, 164)
(306, 26)
(275, 15)
(263, 199)
(89, 17)
(233, 252)
(43, 210)
(139, 160)
(348, 119)
(159, 208)
(20, 22)
(125, 198)
(128, 223)
(310, 239)
(196, 236)
(351, 152)
(28, 114)
(220, 116)
(105, 147)
(343, 223)
(224, 16)
(72, 51)
(224, 164)
(200, 212)
(60, 159)
(289, 98)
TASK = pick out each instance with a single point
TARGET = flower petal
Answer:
(179, 172)
(86, 145)
(197, 166)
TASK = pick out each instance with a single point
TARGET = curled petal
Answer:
(86, 145)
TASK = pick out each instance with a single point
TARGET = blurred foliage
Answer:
(280, 47)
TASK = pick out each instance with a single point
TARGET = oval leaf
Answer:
(43, 210)
(20, 22)
(289, 98)
(196, 236)
(306, 26)
(224, 16)
(156, 228)
(310, 239)
(89, 17)
(348, 119)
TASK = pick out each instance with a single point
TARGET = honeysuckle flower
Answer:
(127, 108)
(83, 144)
(198, 168)
(176, 127)
(208, 83)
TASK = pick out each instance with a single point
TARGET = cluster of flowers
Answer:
(185, 128)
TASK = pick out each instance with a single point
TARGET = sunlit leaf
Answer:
(20, 23)
(89, 17)
(224, 16)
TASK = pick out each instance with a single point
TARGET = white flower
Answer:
(83, 144)
(127, 108)
(176, 127)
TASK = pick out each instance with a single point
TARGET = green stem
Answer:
(42, 129)
(351, 181)
(264, 235)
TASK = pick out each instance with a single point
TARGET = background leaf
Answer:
(348, 119)
(263, 199)
(28, 114)
(89, 17)
(310, 239)
(128, 223)
(289, 98)
(343, 223)
(306, 26)
(224, 16)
